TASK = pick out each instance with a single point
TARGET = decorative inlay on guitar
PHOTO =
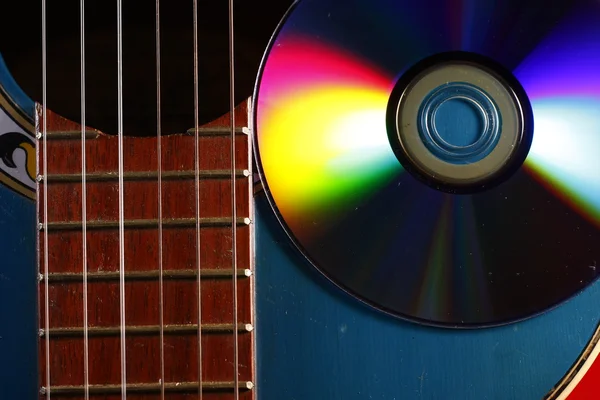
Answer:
(17, 150)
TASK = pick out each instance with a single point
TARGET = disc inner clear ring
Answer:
(407, 118)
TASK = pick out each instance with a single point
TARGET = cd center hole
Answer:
(459, 122)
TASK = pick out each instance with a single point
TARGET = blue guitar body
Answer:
(18, 271)
(313, 341)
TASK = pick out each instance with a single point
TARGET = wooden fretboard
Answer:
(61, 265)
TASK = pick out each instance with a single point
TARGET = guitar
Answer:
(149, 277)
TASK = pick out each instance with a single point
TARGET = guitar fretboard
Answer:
(180, 331)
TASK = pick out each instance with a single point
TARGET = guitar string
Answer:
(86, 378)
(160, 211)
(233, 201)
(45, 223)
(121, 194)
(121, 199)
(197, 193)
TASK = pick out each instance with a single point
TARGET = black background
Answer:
(20, 45)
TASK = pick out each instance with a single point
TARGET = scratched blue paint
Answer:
(18, 284)
(314, 342)
(18, 297)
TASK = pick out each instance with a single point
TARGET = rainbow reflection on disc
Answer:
(340, 192)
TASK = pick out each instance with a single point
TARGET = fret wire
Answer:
(121, 197)
(160, 227)
(146, 223)
(140, 176)
(171, 274)
(144, 388)
(84, 208)
(233, 196)
(45, 172)
(149, 330)
(197, 191)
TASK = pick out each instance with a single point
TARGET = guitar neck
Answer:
(145, 281)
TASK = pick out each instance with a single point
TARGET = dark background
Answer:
(20, 45)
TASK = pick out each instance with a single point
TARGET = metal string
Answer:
(121, 198)
(160, 224)
(84, 209)
(197, 193)
(233, 200)
(45, 223)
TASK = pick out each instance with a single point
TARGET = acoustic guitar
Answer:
(140, 257)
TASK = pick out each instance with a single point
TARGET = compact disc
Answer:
(437, 159)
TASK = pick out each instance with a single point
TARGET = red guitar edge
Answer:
(582, 381)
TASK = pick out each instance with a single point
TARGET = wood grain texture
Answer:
(63, 283)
